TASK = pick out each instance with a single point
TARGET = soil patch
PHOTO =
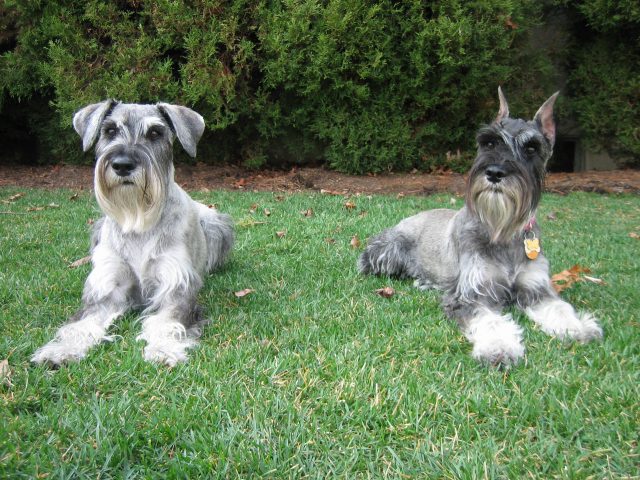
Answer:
(228, 177)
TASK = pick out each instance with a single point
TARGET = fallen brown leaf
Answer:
(330, 192)
(634, 235)
(565, 279)
(307, 213)
(330, 240)
(244, 293)
(5, 372)
(281, 233)
(267, 212)
(253, 208)
(349, 205)
(80, 262)
(386, 292)
(355, 242)
(16, 196)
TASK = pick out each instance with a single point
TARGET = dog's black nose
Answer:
(123, 165)
(495, 173)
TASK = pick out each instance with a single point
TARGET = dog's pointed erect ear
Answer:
(504, 107)
(87, 121)
(544, 118)
(187, 124)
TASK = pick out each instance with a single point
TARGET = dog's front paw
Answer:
(496, 339)
(57, 353)
(169, 355)
(499, 352)
(167, 343)
(558, 319)
(589, 328)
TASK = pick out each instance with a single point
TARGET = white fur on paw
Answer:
(168, 353)
(558, 318)
(71, 344)
(496, 339)
(167, 343)
(56, 353)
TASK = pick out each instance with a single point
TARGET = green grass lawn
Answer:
(313, 374)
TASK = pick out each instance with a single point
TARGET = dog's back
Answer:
(405, 250)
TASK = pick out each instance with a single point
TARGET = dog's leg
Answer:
(496, 338)
(107, 295)
(554, 316)
(172, 322)
(389, 253)
(218, 234)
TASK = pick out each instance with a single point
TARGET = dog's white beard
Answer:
(502, 212)
(136, 206)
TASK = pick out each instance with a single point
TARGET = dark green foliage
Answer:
(605, 78)
(361, 86)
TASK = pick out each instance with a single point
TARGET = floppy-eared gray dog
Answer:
(154, 245)
(487, 255)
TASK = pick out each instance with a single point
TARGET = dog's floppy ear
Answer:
(504, 107)
(544, 119)
(87, 121)
(187, 124)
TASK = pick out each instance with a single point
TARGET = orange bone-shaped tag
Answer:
(532, 247)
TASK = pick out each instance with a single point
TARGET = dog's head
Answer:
(134, 155)
(506, 180)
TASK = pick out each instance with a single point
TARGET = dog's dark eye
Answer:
(154, 134)
(110, 132)
(531, 150)
(489, 145)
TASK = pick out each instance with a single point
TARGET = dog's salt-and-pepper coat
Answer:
(154, 245)
(477, 256)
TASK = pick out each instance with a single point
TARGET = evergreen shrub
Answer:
(357, 85)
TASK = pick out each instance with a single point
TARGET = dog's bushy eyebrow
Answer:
(486, 134)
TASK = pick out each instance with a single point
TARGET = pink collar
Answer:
(530, 224)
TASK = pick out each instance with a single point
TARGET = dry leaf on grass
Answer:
(355, 242)
(80, 262)
(307, 213)
(634, 235)
(5, 372)
(386, 292)
(565, 279)
(330, 192)
(349, 205)
(281, 233)
(244, 293)
(40, 208)
(16, 196)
